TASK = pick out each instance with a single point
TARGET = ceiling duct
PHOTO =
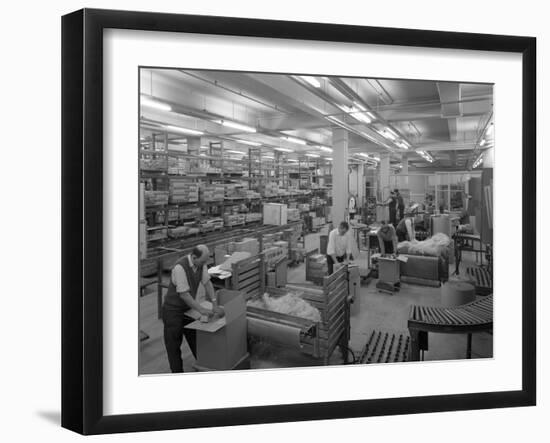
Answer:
(449, 94)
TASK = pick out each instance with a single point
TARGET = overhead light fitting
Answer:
(329, 159)
(268, 157)
(388, 133)
(246, 142)
(235, 152)
(403, 144)
(478, 161)
(489, 130)
(312, 155)
(283, 149)
(325, 148)
(294, 140)
(311, 80)
(426, 156)
(183, 130)
(482, 143)
(150, 103)
(293, 160)
(357, 113)
(235, 125)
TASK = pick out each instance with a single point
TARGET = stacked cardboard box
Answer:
(247, 244)
(211, 224)
(253, 217)
(275, 214)
(272, 255)
(293, 215)
(153, 164)
(234, 219)
(178, 166)
(317, 267)
(189, 213)
(178, 232)
(269, 189)
(212, 193)
(155, 198)
(157, 233)
(303, 207)
(183, 191)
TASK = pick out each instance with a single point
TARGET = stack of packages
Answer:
(189, 213)
(153, 164)
(211, 224)
(155, 198)
(247, 244)
(253, 217)
(193, 227)
(156, 233)
(272, 255)
(234, 219)
(178, 232)
(178, 166)
(182, 191)
(270, 189)
(316, 268)
(233, 191)
(293, 215)
(249, 193)
(210, 193)
(303, 207)
(173, 215)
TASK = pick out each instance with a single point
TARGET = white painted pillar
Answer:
(340, 180)
(384, 176)
(360, 184)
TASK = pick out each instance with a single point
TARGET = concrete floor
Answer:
(380, 311)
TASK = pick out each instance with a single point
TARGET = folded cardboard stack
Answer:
(293, 215)
(183, 191)
(155, 198)
(210, 193)
(253, 217)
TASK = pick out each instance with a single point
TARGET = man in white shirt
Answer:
(186, 276)
(339, 246)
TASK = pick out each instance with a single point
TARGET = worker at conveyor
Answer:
(186, 276)
(391, 203)
(339, 247)
(387, 239)
(400, 205)
(405, 229)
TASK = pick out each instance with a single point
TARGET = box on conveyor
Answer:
(275, 214)
(250, 245)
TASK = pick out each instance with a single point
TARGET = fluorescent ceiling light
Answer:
(294, 140)
(311, 80)
(482, 142)
(235, 152)
(478, 161)
(308, 154)
(293, 160)
(246, 142)
(268, 157)
(183, 130)
(235, 125)
(426, 156)
(329, 159)
(325, 148)
(388, 134)
(403, 145)
(283, 149)
(489, 131)
(362, 154)
(150, 103)
(357, 113)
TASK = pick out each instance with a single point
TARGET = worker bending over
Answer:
(387, 239)
(186, 276)
(405, 229)
(339, 248)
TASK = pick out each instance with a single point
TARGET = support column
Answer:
(340, 180)
(384, 176)
(360, 184)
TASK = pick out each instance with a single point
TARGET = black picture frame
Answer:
(82, 218)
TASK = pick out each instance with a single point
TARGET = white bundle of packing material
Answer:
(290, 304)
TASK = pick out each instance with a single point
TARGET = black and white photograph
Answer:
(290, 220)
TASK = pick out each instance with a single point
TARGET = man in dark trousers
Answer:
(400, 205)
(391, 202)
(186, 276)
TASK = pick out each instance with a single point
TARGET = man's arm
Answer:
(394, 242)
(331, 250)
(381, 244)
(192, 303)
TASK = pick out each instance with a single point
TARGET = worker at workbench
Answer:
(391, 203)
(339, 247)
(400, 205)
(186, 276)
(387, 239)
(405, 229)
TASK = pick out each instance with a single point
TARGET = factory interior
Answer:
(304, 220)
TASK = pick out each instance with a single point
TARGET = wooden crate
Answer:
(248, 276)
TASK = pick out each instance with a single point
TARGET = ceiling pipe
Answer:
(345, 90)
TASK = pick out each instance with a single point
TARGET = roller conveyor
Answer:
(385, 347)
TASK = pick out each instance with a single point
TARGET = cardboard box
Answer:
(388, 270)
(221, 344)
(275, 214)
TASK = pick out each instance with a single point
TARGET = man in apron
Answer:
(186, 276)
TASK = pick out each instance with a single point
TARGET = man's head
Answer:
(343, 227)
(200, 255)
(396, 191)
